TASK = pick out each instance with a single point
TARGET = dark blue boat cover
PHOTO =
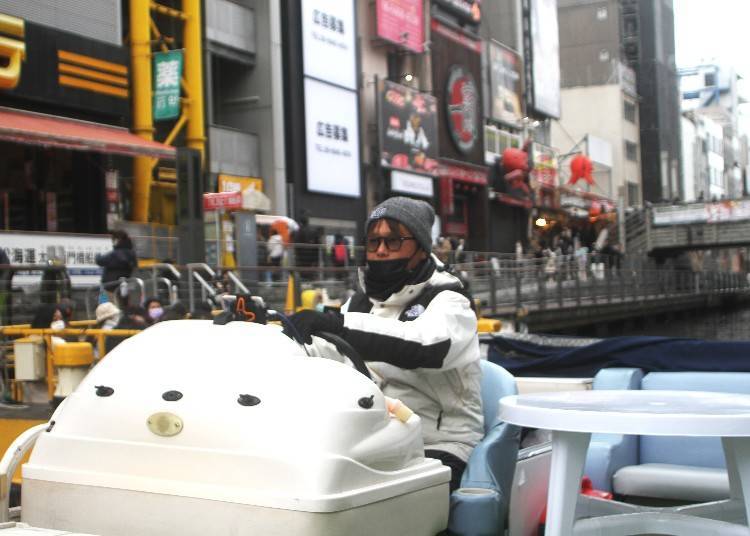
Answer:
(524, 358)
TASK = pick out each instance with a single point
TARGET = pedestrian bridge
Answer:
(666, 230)
(569, 292)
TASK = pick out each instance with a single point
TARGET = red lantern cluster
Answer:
(581, 168)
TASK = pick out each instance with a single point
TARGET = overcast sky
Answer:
(713, 30)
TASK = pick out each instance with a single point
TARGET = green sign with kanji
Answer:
(167, 76)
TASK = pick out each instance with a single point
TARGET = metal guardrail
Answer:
(119, 291)
(503, 283)
(519, 288)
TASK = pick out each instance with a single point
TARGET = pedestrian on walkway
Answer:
(275, 247)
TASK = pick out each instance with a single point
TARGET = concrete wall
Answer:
(260, 114)
(95, 19)
(589, 42)
(598, 110)
(248, 96)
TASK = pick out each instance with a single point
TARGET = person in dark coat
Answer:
(120, 262)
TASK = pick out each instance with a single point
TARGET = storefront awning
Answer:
(19, 126)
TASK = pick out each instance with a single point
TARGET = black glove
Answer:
(309, 322)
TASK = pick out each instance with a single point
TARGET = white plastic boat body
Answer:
(308, 458)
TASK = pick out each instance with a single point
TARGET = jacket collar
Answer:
(409, 292)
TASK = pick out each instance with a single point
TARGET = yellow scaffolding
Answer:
(142, 27)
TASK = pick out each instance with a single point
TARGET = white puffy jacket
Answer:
(426, 354)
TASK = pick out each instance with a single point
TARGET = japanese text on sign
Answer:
(167, 75)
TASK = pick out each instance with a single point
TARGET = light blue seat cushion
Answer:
(699, 452)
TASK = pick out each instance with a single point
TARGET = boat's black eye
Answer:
(248, 400)
(366, 402)
(103, 390)
(172, 396)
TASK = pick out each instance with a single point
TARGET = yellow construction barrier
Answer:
(99, 335)
(489, 325)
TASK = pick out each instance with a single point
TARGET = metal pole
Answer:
(143, 123)
(493, 291)
(517, 274)
(196, 133)
(541, 286)
(191, 291)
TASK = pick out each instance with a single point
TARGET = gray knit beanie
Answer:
(416, 215)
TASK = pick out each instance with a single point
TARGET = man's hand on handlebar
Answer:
(308, 323)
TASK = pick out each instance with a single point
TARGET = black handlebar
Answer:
(346, 349)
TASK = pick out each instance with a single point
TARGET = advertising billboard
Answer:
(408, 128)
(401, 22)
(544, 165)
(408, 183)
(466, 11)
(545, 57)
(457, 83)
(506, 84)
(70, 72)
(332, 139)
(328, 41)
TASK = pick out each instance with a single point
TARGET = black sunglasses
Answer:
(391, 243)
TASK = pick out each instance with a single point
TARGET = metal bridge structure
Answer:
(667, 230)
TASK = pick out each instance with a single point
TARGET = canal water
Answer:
(713, 324)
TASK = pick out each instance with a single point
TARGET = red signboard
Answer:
(474, 175)
(401, 22)
(222, 201)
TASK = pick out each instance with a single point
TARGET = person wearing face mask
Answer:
(155, 310)
(414, 325)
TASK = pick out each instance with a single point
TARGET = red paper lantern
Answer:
(581, 168)
(514, 159)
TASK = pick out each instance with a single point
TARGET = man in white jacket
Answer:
(414, 325)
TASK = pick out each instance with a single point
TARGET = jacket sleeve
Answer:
(434, 340)
(105, 260)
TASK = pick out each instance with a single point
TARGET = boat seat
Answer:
(480, 505)
(609, 452)
(672, 482)
(666, 467)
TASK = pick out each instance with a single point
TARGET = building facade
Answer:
(648, 46)
(602, 122)
(709, 93)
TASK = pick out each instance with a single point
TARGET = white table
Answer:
(574, 416)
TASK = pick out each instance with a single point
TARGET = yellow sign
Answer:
(13, 50)
(233, 183)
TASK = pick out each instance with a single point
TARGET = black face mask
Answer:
(383, 278)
